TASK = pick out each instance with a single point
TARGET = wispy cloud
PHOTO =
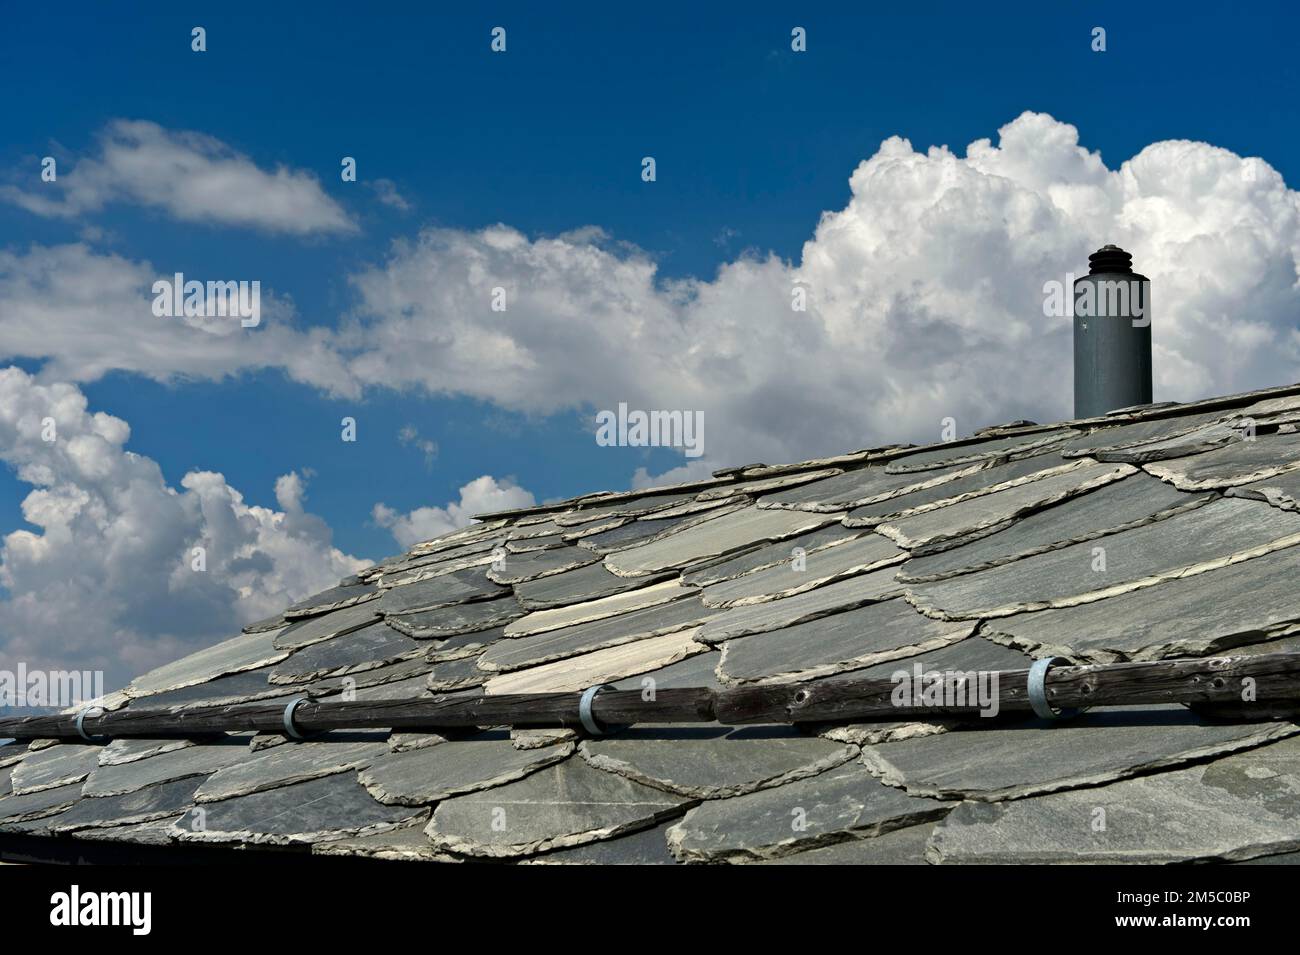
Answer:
(189, 176)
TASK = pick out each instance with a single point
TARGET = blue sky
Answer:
(753, 143)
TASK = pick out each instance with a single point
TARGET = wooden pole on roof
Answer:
(1254, 687)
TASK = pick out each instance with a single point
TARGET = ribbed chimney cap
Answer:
(1110, 259)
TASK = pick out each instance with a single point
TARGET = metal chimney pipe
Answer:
(1112, 335)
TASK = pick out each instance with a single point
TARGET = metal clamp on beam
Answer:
(81, 718)
(291, 730)
(589, 721)
(1038, 690)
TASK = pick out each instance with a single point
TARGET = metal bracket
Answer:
(1038, 690)
(589, 721)
(81, 717)
(290, 729)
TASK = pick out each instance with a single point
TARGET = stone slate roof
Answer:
(977, 554)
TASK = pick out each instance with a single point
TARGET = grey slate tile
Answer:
(833, 598)
(363, 649)
(898, 847)
(515, 654)
(311, 811)
(1238, 807)
(431, 773)
(291, 763)
(720, 535)
(839, 642)
(997, 762)
(1221, 532)
(246, 687)
(399, 672)
(858, 488)
(1114, 437)
(849, 559)
(129, 749)
(975, 482)
(1280, 490)
(445, 590)
(35, 805)
(336, 598)
(710, 762)
(768, 555)
(840, 804)
(245, 652)
(640, 531)
(198, 760)
(406, 843)
(693, 671)
(1138, 499)
(164, 800)
(939, 456)
(647, 847)
(315, 629)
(614, 605)
(518, 568)
(945, 527)
(453, 621)
(55, 766)
(577, 586)
(1241, 462)
(1209, 613)
(567, 804)
(456, 675)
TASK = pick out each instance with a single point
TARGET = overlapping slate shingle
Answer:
(708, 762)
(711, 538)
(423, 776)
(244, 652)
(363, 649)
(1010, 762)
(1220, 533)
(324, 808)
(620, 603)
(567, 804)
(804, 572)
(975, 481)
(452, 621)
(939, 528)
(836, 643)
(584, 637)
(858, 488)
(1014, 445)
(1209, 613)
(767, 555)
(640, 589)
(835, 806)
(1238, 807)
(774, 614)
(281, 766)
(445, 590)
(1138, 499)
(1241, 462)
(599, 666)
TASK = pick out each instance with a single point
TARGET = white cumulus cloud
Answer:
(107, 580)
(480, 496)
(925, 300)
